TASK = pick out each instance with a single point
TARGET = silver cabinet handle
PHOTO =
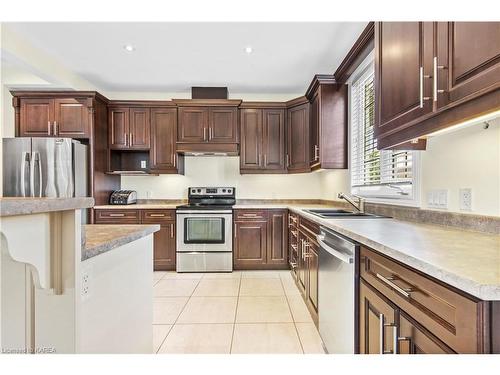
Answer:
(131, 139)
(235, 231)
(40, 179)
(210, 133)
(171, 230)
(55, 127)
(249, 215)
(157, 215)
(287, 160)
(205, 134)
(421, 84)
(381, 333)
(126, 139)
(316, 152)
(25, 162)
(48, 127)
(404, 292)
(265, 160)
(116, 215)
(435, 90)
(293, 264)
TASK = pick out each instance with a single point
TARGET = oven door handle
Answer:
(337, 254)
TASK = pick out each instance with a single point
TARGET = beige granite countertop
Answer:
(139, 206)
(11, 206)
(100, 238)
(469, 261)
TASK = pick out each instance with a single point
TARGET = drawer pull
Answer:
(116, 215)
(293, 265)
(249, 215)
(294, 232)
(157, 215)
(171, 230)
(388, 281)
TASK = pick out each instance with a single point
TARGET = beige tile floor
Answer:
(241, 312)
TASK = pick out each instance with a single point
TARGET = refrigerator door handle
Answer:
(25, 162)
(35, 157)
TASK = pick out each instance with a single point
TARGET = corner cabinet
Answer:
(260, 239)
(297, 136)
(328, 123)
(450, 72)
(262, 147)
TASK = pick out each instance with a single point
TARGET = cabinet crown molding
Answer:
(59, 94)
(207, 102)
(319, 79)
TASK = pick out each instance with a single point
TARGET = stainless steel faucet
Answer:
(360, 205)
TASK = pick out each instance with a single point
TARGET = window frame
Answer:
(381, 193)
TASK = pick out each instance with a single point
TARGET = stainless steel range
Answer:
(205, 230)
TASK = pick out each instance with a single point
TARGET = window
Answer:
(385, 175)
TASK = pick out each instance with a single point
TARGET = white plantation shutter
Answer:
(391, 171)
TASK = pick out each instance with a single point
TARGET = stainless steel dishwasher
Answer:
(337, 292)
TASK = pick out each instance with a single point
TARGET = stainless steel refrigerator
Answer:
(44, 167)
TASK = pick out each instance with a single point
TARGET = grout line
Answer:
(159, 347)
(183, 307)
(235, 314)
(293, 319)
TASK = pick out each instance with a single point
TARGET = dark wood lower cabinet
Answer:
(260, 239)
(163, 241)
(413, 339)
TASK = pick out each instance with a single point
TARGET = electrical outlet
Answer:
(85, 285)
(437, 199)
(465, 199)
(143, 164)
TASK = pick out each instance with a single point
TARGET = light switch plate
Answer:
(465, 199)
(437, 199)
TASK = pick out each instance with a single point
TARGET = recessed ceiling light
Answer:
(129, 47)
(248, 49)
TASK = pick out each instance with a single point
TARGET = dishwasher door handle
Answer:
(337, 254)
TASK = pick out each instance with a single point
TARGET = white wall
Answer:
(466, 158)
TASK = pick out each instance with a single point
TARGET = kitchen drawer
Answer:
(246, 215)
(157, 216)
(451, 316)
(293, 220)
(118, 216)
(308, 228)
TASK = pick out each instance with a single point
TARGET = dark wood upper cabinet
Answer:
(403, 66)
(163, 157)
(193, 124)
(54, 117)
(71, 116)
(328, 123)
(118, 127)
(297, 133)
(468, 59)
(273, 139)
(262, 147)
(36, 117)
(432, 75)
(222, 125)
(139, 128)
(251, 139)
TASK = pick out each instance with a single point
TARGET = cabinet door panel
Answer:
(273, 139)
(301, 264)
(223, 125)
(118, 128)
(72, 117)
(470, 52)
(251, 139)
(298, 138)
(36, 118)
(314, 130)
(250, 244)
(374, 316)
(403, 48)
(193, 125)
(163, 136)
(277, 253)
(164, 247)
(416, 340)
(139, 128)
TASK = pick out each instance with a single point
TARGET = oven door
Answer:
(201, 231)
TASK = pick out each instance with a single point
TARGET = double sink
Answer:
(343, 214)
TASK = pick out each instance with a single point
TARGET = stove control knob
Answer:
(223, 190)
(193, 191)
(199, 190)
(229, 191)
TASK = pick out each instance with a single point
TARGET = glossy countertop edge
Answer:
(486, 292)
(139, 206)
(101, 238)
(12, 206)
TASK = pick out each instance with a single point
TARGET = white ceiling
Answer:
(172, 57)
